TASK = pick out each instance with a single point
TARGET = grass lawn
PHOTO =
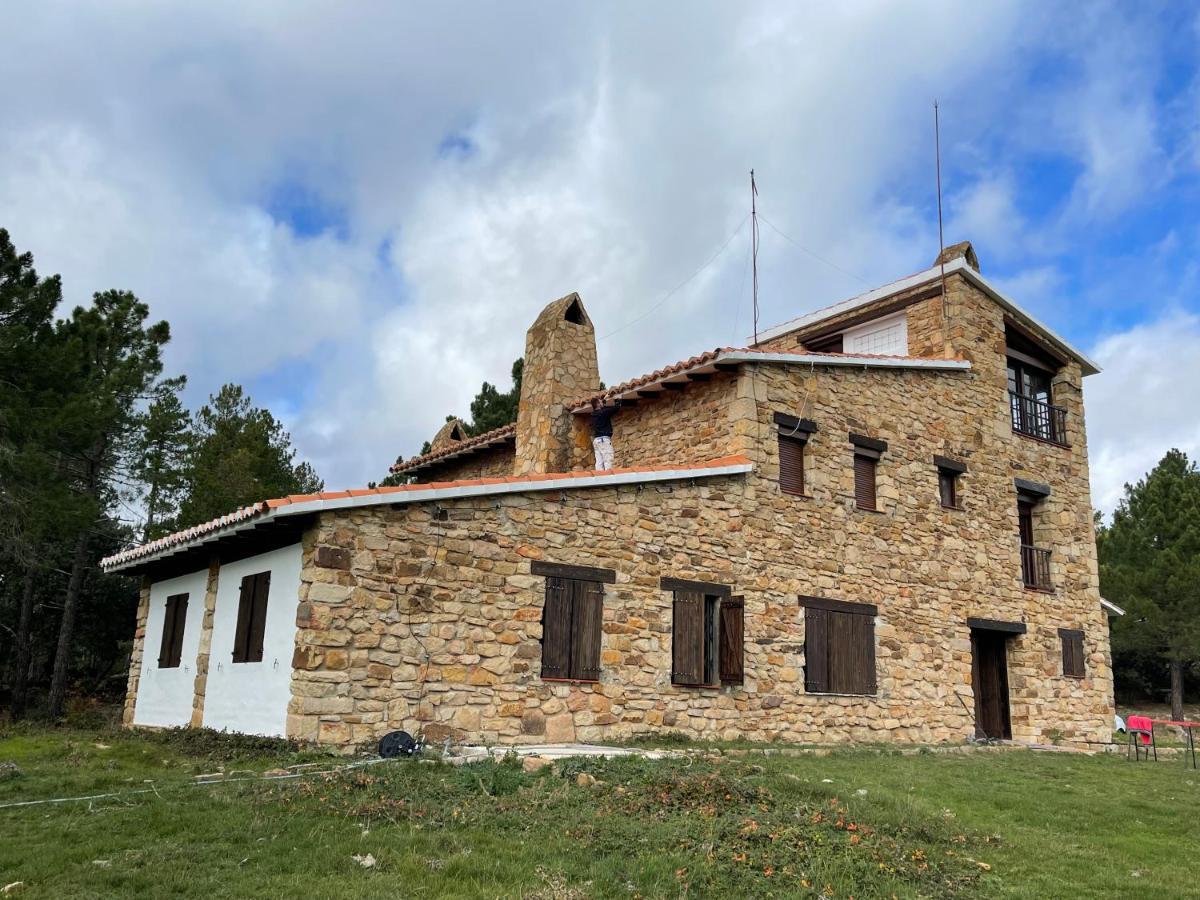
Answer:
(857, 823)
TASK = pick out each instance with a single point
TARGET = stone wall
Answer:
(203, 656)
(493, 462)
(137, 654)
(418, 622)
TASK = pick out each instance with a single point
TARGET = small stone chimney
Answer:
(450, 433)
(962, 249)
(560, 367)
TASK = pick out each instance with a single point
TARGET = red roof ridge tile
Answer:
(457, 447)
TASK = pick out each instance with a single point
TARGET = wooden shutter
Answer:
(258, 617)
(171, 647)
(1072, 652)
(245, 610)
(733, 641)
(816, 649)
(556, 629)
(864, 481)
(587, 616)
(687, 638)
(791, 465)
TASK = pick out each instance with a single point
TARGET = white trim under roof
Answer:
(845, 360)
(417, 495)
(1112, 607)
(913, 281)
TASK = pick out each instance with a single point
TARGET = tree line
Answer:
(98, 452)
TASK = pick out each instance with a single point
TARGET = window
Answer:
(572, 616)
(174, 619)
(839, 646)
(707, 634)
(887, 336)
(252, 618)
(867, 452)
(793, 435)
(1072, 652)
(948, 471)
(1031, 370)
(1035, 561)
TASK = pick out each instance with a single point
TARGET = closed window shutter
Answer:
(241, 633)
(168, 634)
(864, 482)
(791, 465)
(258, 620)
(178, 623)
(733, 639)
(1072, 653)
(816, 650)
(946, 488)
(556, 629)
(687, 638)
(586, 633)
(863, 651)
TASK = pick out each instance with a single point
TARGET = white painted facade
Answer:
(164, 696)
(253, 697)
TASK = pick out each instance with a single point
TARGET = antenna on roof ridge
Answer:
(937, 144)
(754, 248)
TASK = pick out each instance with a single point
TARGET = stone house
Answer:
(874, 524)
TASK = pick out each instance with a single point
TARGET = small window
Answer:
(948, 471)
(571, 620)
(1072, 652)
(793, 435)
(864, 480)
(839, 647)
(707, 638)
(170, 650)
(252, 618)
(887, 336)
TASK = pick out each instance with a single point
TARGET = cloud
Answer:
(1143, 403)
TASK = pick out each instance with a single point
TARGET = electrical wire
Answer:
(669, 294)
(815, 256)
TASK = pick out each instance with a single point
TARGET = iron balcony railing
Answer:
(1035, 567)
(1038, 419)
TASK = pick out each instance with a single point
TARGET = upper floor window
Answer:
(867, 452)
(571, 620)
(1035, 560)
(949, 471)
(887, 336)
(793, 436)
(1072, 652)
(1031, 373)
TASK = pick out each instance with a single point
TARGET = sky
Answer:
(356, 210)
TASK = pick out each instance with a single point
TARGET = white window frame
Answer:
(859, 338)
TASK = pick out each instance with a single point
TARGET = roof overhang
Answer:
(265, 514)
(920, 279)
(724, 359)
(506, 434)
(1111, 608)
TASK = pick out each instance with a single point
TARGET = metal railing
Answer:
(1038, 419)
(1035, 567)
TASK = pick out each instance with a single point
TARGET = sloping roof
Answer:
(928, 276)
(300, 504)
(480, 442)
(709, 361)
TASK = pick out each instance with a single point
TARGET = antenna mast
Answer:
(937, 143)
(754, 247)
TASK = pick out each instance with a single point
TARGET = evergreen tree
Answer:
(241, 455)
(162, 457)
(491, 409)
(1150, 564)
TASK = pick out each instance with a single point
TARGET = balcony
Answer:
(1035, 567)
(1038, 419)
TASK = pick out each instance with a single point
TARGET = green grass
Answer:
(855, 823)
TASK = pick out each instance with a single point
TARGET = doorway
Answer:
(990, 675)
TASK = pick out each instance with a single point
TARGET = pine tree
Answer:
(162, 457)
(1150, 564)
(492, 409)
(241, 455)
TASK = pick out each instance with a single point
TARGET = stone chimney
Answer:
(560, 367)
(962, 249)
(450, 433)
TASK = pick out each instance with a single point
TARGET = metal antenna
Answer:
(754, 247)
(937, 143)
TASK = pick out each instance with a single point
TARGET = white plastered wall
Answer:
(253, 697)
(164, 696)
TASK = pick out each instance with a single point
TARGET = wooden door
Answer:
(990, 674)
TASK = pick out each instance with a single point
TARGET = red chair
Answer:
(1141, 727)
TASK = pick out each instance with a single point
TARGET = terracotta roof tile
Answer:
(470, 444)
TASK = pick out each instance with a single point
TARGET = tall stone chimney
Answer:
(560, 367)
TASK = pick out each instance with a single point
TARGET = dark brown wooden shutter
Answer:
(864, 481)
(586, 619)
(170, 647)
(791, 465)
(687, 638)
(863, 655)
(241, 634)
(556, 629)
(733, 641)
(258, 619)
(816, 649)
(1072, 652)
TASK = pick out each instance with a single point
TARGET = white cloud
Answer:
(1143, 403)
